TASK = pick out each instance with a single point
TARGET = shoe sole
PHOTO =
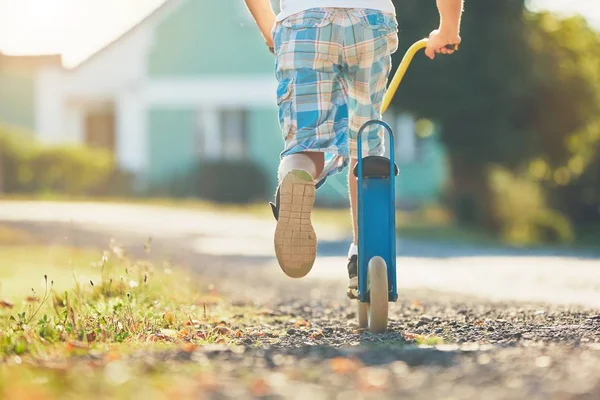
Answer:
(295, 238)
(353, 283)
(352, 291)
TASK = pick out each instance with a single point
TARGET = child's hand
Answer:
(270, 43)
(438, 41)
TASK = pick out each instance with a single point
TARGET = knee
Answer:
(311, 162)
(318, 159)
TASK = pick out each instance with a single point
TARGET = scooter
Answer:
(377, 218)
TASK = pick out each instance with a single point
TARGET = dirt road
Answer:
(514, 324)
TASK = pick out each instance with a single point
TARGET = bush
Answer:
(520, 207)
(29, 168)
(222, 181)
(14, 150)
(239, 181)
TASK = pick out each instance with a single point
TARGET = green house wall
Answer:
(209, 37)
(17, 99)
(217, 38)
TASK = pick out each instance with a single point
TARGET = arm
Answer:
(264, 16)
(449, 30)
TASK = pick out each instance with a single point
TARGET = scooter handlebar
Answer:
(401, 71)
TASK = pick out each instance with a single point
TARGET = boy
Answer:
(333, 60)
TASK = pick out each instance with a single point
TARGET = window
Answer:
(406, 146)
(203, 129)
(221, 134)
(403, 128)
(234, 138)
(100, 128)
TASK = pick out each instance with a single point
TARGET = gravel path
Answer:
(489, 350)
(443, 342)
(438, 345)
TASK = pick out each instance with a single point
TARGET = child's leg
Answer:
(352, 192)
(313, 116)
(310, 162)
(353, 251)
(295, 239)
(371, 38)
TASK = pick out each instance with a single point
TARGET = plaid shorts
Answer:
(332, 67)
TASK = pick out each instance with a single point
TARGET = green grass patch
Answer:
(83, 323)
(423, 340)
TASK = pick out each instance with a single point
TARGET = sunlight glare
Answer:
(33, 26)
(74, 28)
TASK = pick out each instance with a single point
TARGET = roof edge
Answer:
(156, 15)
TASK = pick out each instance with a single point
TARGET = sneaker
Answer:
(353, 277)
(295, 238)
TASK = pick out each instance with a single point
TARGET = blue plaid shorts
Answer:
(332, 68)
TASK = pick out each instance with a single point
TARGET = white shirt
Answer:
(290, 7)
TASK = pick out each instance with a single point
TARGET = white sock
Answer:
(296, 161)
(353, 251)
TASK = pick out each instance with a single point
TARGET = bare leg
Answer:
(295, 238)
(352, 252)
(318, 159)
(352, 188)
(312, 162)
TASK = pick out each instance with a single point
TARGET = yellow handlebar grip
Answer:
(401, 71)
(402, 68)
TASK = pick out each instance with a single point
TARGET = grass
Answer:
(71, 319)
(428, 340)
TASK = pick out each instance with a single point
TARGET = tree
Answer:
(565, 112)
(477, 95)
(523, 92)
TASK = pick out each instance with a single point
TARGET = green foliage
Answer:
(477, 96)
(28, 167)
(580, 199)
(429, 340)
(124, 308)
(525, 216)
(220, 181)
(230, 181)
(565, 107)
(101, 311)
(477, 93)
(523, 91)
(565, 113)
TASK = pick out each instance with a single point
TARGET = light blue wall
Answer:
(216, 38)
(266, 143)
(17, 99)
(209, 37)
(171, 144)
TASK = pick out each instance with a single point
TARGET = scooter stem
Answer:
(401, 71)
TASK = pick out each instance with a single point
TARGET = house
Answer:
(194, 81)
(17, 87)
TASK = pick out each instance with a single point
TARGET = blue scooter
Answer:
(377, 218)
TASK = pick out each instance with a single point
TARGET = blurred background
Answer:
(175, 99)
